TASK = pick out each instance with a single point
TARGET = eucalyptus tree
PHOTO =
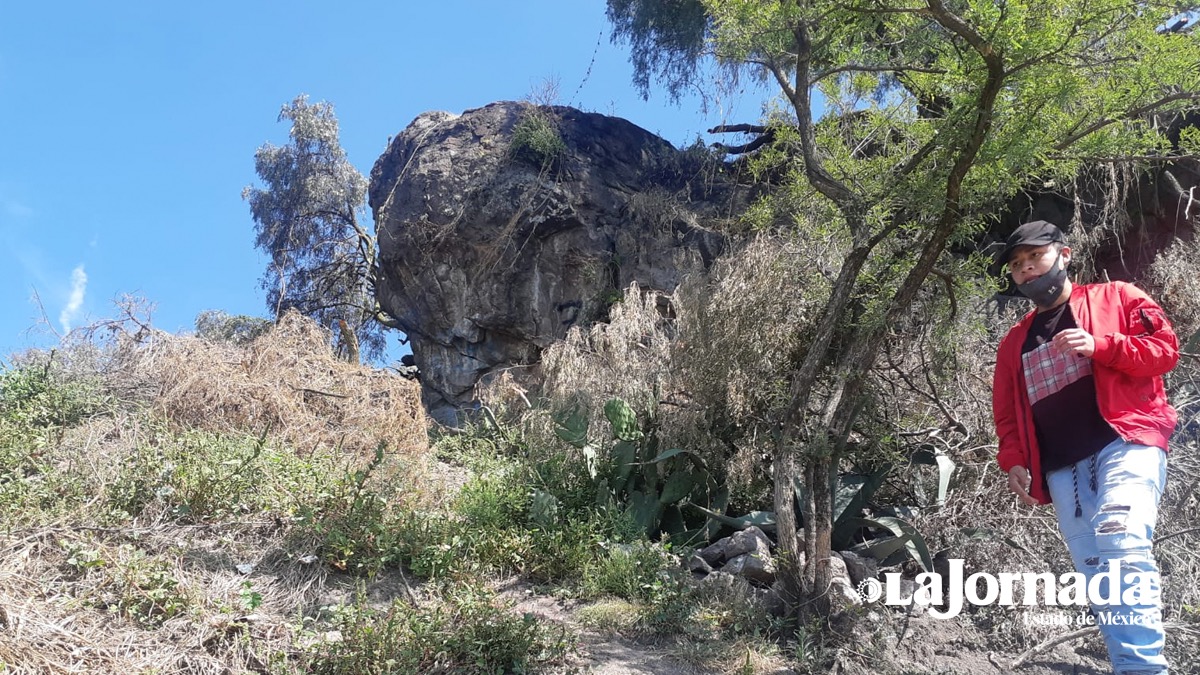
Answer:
(936, 113)
(309, 220)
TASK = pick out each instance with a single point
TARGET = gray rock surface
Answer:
(756, 567)
(859, 567)
(749, 540)
(489, 254)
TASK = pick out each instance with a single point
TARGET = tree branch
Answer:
(1130, 114)
(818, 176)
(865, 68)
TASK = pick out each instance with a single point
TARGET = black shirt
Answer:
(1062, 391)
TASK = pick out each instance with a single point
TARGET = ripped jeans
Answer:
(1107, 507)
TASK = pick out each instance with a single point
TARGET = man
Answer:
(1083, 422)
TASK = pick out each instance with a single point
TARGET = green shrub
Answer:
(39, 395)
(494, 500)
(196, 476)
(352, 524)
(218, 326)
(640, 571)
(468, 632)
(37, 482)
(536, 139)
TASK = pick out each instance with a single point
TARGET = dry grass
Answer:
(60, 619)
(709, 361)
(289, 382)
(84, 590)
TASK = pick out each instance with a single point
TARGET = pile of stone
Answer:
(746, 555)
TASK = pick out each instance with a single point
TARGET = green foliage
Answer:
(250, 598)
(39, 395)
(352, 524)
(470, 631)
(536, 139)
(194, 476)
(632, 476)
(494, 500)
(240, 329)
(126, 581)
(307, 219)
(932, 119)
(667, 40)
(149, 591)
(640, 571)
(39, 400)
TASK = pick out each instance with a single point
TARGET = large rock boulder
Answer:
(502, 227)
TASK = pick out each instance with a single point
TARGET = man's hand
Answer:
(1018, 483)
(1074, 341)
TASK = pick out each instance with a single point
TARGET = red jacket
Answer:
(1135, 347)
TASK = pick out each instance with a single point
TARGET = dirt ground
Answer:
(927, 646)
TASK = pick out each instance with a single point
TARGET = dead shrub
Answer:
(1175, 280)
(710, 361)
(288, 381)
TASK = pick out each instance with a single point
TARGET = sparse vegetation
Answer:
(177, 494)
(536, 138)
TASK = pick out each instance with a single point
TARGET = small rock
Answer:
(859, 567)
(759, 568)
(714, 553)
(720, 579)
(697, 563)
(838, 571)
(749, 540)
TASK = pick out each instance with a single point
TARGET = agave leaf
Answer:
(851, 492)
(883, 548)
(623, 420)
(676, 452)
(945, 467)
(764, 520)
(915, 543)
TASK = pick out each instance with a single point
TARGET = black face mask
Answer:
(1044, 290)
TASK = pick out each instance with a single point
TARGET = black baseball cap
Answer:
(1035, 233)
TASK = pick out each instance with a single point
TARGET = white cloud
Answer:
(75, 302)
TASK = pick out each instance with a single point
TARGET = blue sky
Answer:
(128, 129)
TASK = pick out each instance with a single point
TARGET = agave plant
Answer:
(633, 474)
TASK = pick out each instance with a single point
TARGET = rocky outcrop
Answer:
(502, 227)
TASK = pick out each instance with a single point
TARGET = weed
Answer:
(126, 581)
(197, 476)
(39, 395)
(351, 523)
(250, 598)
(640, 571)
(536, 139)
(468, 632)
(495, 500)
